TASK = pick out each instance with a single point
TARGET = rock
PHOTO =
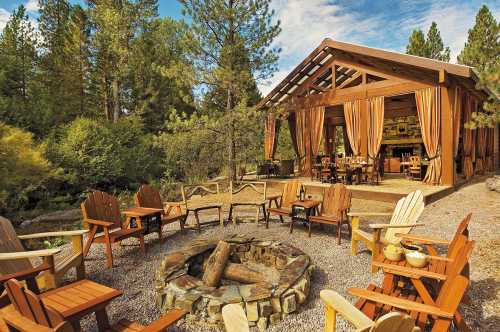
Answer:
(275, 318)
(255, 292)
(214, 308)
(58, 216)
(493, 183)
(281, 262)
(276, 304)
(289, 304)
(187, 301)
(252, 311)
(262, 323)
(226, 294)
(185, 283)
(292, 272)
(265, 308)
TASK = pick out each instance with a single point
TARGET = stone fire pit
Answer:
(280, 274)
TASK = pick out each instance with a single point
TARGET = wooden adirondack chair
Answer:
(101, 212)
(235, 319)
(28, 314)
(391, 322)
(201, 197)
(15, 260)
(336, 203)
(240, 192)
(288, 196)
(404, 218)
(440, 314)
(149, 197)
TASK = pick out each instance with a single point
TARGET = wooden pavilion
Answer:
(381, 98)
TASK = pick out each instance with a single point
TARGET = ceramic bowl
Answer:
(408, 248)
(393, 255)
(416, 259)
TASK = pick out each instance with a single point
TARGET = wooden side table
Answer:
(148, 219)
(302, 210)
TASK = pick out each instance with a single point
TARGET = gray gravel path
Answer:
(336, 268)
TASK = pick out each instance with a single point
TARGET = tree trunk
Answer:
(106, 98)
(216, 264)
(116, 100)
(243, 274)
(231, 143)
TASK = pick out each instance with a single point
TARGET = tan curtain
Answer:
(375, 125)
(303, 139)
(457, 117)
(468, 138)
(352, 115)
(317, 119)
(490, 139)
(329, 141)
(293, 132)
(429, 114)
(270, 136)
(481, 150)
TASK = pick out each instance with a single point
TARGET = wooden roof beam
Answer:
(349, 80)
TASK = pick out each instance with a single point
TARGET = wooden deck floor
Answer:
(391, 189)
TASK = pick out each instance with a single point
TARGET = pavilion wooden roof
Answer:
(349, 64)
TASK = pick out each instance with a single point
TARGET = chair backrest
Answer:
(407, 211)
(290, 193)
(199, 192)
(247, 191)
(462, 229)
(101, 206)
(460, 256)
(336, 200)
(415, 161)
(235, 319)
(148, 197)
(30, 312)
(394, 322)
(286, 167)
(9, 242)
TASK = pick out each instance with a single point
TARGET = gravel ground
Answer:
(336, 268)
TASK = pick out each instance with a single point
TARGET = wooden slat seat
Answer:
(280, 211)
(101, 213)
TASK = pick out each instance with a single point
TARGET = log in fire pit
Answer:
(269, 279)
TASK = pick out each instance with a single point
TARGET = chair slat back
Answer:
(336, 200)
(451, 293)
(290, 193)
(248, 191)
(460, 256)
(407, 211)
(29, 305)
(394, 322)
(101, 206)
(148, 197)
(415, 161)
(9, 242)
(462, 229)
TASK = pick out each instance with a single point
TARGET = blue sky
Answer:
(305, 23)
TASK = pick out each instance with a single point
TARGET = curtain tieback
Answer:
(436, 156)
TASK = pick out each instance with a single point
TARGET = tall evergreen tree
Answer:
(482, 51)
(234, 39)
(18, 60)
(431, 47)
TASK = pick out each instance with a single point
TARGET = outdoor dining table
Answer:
(149, 219)
(302, 210)
(81, 298)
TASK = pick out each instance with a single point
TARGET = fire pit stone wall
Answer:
(179, 282)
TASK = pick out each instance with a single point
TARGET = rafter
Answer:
(350, 80)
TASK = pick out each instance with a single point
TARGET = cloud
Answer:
(32, 6)
(4, 18)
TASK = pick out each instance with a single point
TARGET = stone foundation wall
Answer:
(179, 285)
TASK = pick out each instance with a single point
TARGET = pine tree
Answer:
(431, 47)
(234, 39)
(18, 60)
(482, 51)
(416, 43)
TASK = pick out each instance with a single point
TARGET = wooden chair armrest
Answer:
(99, 222)
(345, 308)
(369, 214)
(53, 234)
(399, 302)
(439, 258)
(422, 239)
(170, 318)
(26, 274)
(28, 254)
(383, 226)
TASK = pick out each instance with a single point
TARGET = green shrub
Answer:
(96, 154)
(23, 167)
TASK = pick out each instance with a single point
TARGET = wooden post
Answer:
(216, 264)
(447, 157)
